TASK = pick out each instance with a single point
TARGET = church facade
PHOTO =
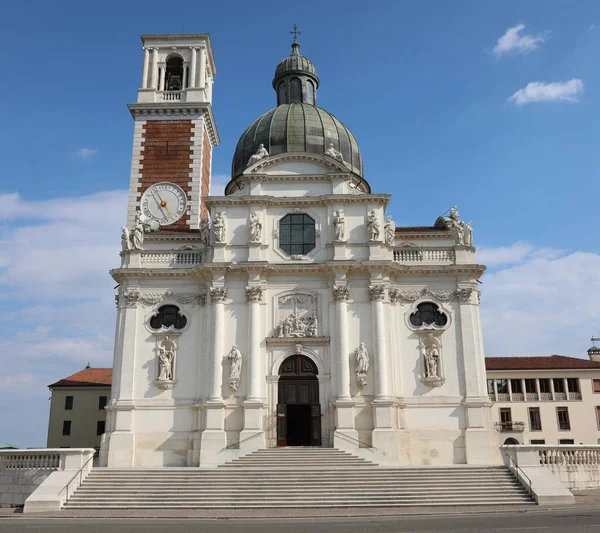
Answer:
(291, 311)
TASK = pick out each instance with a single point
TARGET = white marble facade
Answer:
(242, 289)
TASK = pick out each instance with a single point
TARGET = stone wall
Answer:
(577, 467)
(16, 485)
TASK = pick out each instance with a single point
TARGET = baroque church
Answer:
(291, 311)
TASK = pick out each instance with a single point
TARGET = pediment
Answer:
(296, 164)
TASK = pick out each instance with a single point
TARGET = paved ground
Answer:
(572, 521)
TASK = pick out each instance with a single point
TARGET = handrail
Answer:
(236, 444)
(367, 445)
(80, 472)
(519, 469)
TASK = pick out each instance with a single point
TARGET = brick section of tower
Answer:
(206, 160)
(166, 156)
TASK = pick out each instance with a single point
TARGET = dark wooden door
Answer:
(315, 426)
(281, 424)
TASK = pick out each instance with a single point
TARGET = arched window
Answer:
(174, 74)
(428, 314)
(295, 90)
(297, 234)
(310, 92)
(168, 316)
(281, 93)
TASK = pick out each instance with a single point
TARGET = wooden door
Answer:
(315, 426)
(281, 424)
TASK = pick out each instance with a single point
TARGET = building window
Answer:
(559, 385)
(537, 441)
(174, 75)
(505, 418)
(295, 90)
(168, 316)
(102, 401)
(597, 386)
(427, 314)
(490, 386)
(516, 386)
(563, 418)
(69, 403)
(544, 385)
(502, 386)
(67, 427)
(566, 441)
(598, 416)
(573, 384)
(535, 421)
(297, 234)
(100, 425)
(530, 386)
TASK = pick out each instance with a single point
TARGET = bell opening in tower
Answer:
(174, 74)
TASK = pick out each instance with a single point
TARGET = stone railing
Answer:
(409, 255)
(576, 465)
(174, 259)
(172, 96)
(509, 426)
(23, 459)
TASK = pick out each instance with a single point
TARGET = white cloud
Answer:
(538, 91)
(513, 41)
(86, 153)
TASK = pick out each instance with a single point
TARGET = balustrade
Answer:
(175, 259)
(172, 96)
(423, 255)
(22, 459)
(569, 455)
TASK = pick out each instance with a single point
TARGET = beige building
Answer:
(545, 400)
(77, 414)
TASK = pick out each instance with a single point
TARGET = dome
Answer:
(295, 64)
(297, 127)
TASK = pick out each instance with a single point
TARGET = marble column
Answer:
(202, 67)
(145, 71)
(161, 82)
(193, 69)
(218, 296)
(154, 72)
(377, 297)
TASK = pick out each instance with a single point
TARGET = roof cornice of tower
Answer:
(182, 39)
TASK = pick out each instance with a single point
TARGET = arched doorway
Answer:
(511, 440)
(298, 407)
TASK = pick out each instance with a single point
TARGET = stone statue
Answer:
(468, 234)
(339, 224)
(454, 213)
(389, 230)
(332, 152)
(362, 364)
(261, 153)
(125, 239)
(255, 228)
(373, 226)
(432, 357)
(137, 233)
(235, 372)
(166, 356)
(456, 226)
(220, 227)
(205, 231)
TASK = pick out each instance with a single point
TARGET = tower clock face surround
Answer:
(164, 202)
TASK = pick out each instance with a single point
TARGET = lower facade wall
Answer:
(16, 485)
(577, 477)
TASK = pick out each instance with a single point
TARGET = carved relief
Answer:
(129, 298)
(218, 294)
(442, 295)
(377, 293)
(303, 321)
(341, 293)
(361, 356)
(235, 369)
(166, 353)
(254, 294)
(187, 298)
(431, 355)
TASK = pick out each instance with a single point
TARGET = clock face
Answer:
(164, 202)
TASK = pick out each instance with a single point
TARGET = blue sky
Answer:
(490, 106)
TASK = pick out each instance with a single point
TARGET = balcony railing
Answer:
(175, 259)
(560, 396)
(503, 397)
(172, 96)
(531, 396)
(509, 426)
(518, 397)
(574, 395)
(411, 255)
(546, 396)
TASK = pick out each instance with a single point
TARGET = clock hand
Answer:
(162, 202)
(160, 206)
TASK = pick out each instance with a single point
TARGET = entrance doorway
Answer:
(298, 407)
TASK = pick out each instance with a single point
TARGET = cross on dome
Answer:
(295, 33)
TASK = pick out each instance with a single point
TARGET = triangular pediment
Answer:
(297, 164)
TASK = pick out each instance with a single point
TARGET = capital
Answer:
(254, 294)
(377, 293)
(218, 294)
(341, 293)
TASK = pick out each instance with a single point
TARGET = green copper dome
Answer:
(295, 63)
(297, 127)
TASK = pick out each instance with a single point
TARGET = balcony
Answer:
(171, 96)
(509, 426)
(174, 259)
(410, 255)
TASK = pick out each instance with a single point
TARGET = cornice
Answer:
(183, 109)
(325, 199)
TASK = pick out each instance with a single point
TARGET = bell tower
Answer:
(174, 132)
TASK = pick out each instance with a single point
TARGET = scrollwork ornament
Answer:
(130, 298)
(254, 294)
(377, 293)
(218, 294)
(184, 298)
(341, 293)
(464, 295)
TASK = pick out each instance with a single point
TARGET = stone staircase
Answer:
(297, 478)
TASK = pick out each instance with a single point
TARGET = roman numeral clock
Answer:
(163, 202)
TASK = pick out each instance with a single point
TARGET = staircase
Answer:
(297, 478)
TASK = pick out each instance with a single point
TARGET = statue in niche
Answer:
(205, 231)
(468, 234)
(431, 353)
(166, 358)
(432, 357)
(336, 154)
(220, 227)
(235, 371)
(255, 228)
(261, 153)
(339, 225)
(373, 226)
(125, 239)
(361, 355)
(389, 230)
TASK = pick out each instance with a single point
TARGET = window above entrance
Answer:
(297, 234)
(168, 316)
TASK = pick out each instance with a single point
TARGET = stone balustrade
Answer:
(569, 454)
(24, 459)
(409, 255)
(172, 96)
(174, 259)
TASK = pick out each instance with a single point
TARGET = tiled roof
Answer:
(549, 362)
(88, 377)
(416, 229)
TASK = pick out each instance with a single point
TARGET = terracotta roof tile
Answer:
(88, 377)
(549, 362)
